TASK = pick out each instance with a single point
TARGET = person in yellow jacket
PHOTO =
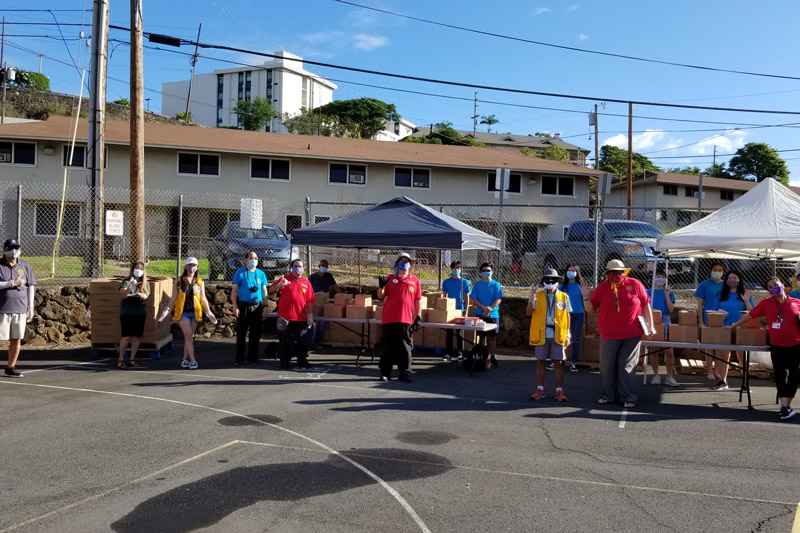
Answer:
(549, 309)
(188, 303)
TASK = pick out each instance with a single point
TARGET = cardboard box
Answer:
(322, 298)
(687, 317)
(443, 317)
(318, 309)
(471, 310)
(375, 333)
(363, 300)
(378, 312)
(430, 337)
(445, 304)
(591, 324)
(339, 334)
(590, 349)
(469, 339)
(755, 323)
(659, 336)
(419, 339)
(715, 319)
(357, 311)
(656, 316)
(712, 335)
(678, 333)
(429, 298)
(751, 336)
(334, 311)
(341, 298)
(423, 313)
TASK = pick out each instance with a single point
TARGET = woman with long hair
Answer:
(733, 299)
(134, 291)
(572, 286)
(189, 301)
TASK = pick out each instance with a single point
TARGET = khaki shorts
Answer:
(12, 326)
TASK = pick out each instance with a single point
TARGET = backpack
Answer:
(476, 359)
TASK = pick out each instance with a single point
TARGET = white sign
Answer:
(114, 223)
(250, 213)
(502, 182)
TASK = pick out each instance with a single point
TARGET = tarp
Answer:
(398, 223)
(763, 223)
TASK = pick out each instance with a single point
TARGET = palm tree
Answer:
(489, 121)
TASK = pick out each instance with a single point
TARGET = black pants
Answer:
(293, 343)
(786, 363)
(448, 340)
(396, 341)
(250, 316)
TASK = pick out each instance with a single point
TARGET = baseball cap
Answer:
(11, 243)
(191, 261)
(406, 255)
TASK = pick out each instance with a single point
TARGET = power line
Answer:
(570, 48)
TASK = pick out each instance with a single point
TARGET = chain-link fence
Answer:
(61, 238)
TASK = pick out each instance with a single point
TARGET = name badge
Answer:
(776, 325)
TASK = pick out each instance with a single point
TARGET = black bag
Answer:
(476, 359)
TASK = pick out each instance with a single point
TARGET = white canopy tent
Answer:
(763, 224)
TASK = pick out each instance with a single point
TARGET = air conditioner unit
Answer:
(359, 179)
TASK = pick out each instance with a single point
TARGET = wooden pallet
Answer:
(153, 350)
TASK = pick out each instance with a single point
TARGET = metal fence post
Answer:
(439, 258)
(597, 214)
(308, 223)
(180, 235)
(19, 211)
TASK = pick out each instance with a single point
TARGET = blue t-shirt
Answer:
(486, 293)
(733, 306)
(659, 302)
(455, 288)
(709, 291)
(794, 294)
(574, 295)
(245, 280)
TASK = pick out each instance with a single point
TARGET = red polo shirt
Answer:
(788, 332)
(623, 324)
(401, 294)
(294, 298)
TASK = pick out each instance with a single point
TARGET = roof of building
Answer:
(287, 145)
(508, 139)
(669, 178)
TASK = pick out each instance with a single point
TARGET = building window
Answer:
(412, 178)
(318, 219)
(269, 169)
(15, 153)
(220, 92)
(346, 174)
(240, 86)
(198, 164)
(558, 186)
(725, 195)
(670, 190)
(690, 191)
(248, 83)
(514, 185)
(269, 85)
(304, 96)
(293, 222)
(46, 220)
(79, 157)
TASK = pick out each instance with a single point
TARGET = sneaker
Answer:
(488, 364)
(193, 365)
(12, 372)
(787, 413)
(560, 396)
(573, 368)
(494, 362)
(448, 357)
(551, 366)
(384, 378)
(538, 395)
(721, 385)
(670, 382)
(185, 363)
(656, 380)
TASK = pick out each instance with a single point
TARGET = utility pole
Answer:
(475, 116)
(630, 160)
(596, 141)
(191, 77)
(137, 194)
(93, 266)
(40, 62)
(715, 155)
(5, 71)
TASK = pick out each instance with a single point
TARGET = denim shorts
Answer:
(187, 315)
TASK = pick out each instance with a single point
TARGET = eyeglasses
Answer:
(549, 280)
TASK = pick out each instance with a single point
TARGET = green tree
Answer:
(181, 115)
(551, 153)
(693, 171)
(255, 114)
(758, 161)
(490, 121)
(615, 160)
(312, 122)
(718, 170)
(444, 133)
(122, 101)
(545, 134)
(361, 117)
(25, 79)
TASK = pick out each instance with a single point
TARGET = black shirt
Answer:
(321, 282)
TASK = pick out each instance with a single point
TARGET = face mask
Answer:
(138, 272)
(404, 266)
(252, 263)
(12, 254)
(191, 269)
(776, 290)
(716, 275)
(571, 274)
(486, 275)
(550, 286)
(733, 283)
(297, 271)
(615, 278)
(660, 282)
(456, 272)
(323, 269)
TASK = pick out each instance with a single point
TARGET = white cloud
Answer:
(339, 40)
(364, 41)
(648, 140)
(581, 36)
(541, 11)
(731, 141)
(573, 7)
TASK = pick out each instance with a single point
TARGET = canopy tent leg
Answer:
(359, 269)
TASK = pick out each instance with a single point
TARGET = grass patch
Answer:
(72, 266)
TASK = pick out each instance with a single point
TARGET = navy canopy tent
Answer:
(398, 223)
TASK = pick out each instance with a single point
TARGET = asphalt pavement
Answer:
(87, 447)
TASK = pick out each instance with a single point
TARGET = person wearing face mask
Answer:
(248, 291)
(134, 291)
(294, 315)
(323, 280)
(188, 303)
(664, 301)
(16, 301)
(487, 295)
(549, 310)
(619, 301)
(458, 288)
(707, 294)
(733, 299)
(572, 286)
(784, 340)
(400, 317)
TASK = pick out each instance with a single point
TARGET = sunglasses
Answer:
(549, 280)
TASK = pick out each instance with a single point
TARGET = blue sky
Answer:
(729, 34)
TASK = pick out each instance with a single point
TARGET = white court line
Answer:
(396, 495)
(66, 366)
(796, 526)
(624, 417)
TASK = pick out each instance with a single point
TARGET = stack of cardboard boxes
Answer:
(753, 333)
(714, 332)
(104, 301)
(686, 329)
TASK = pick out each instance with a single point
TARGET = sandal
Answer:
(603, 401)
(132, 363)
(629, 405)
(121, 364)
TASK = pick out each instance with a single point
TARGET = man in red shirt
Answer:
(400, 317)
(294, 315)
(619, 301)
(784, 341)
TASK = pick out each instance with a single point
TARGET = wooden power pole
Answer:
(137, 198)
(630, 160)
(596, 141)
